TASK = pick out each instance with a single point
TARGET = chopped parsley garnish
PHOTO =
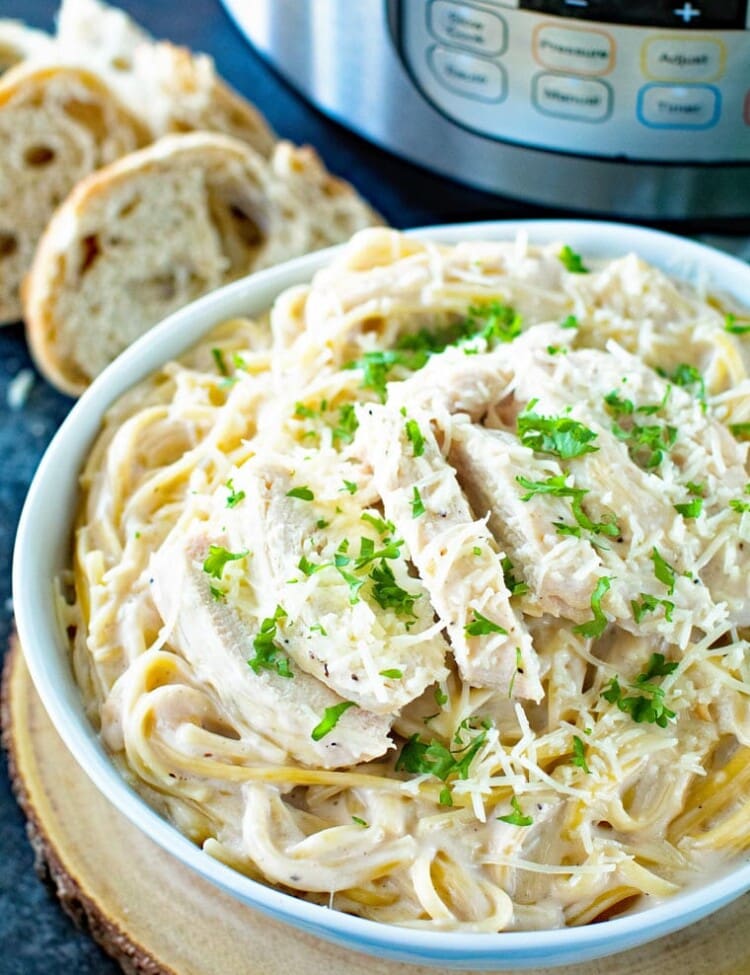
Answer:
(689, 377)
(570, 322)
(302, 493)
(354, 583)
(516, 672)
(415, 436)
(732, 326)
(441, 697)
(350, 486)
(663, 571)
(516, 587)
(446, 796)
(557, 486)
(491, 321)
(516, 818)
(387, 592)
(321, 523)
(393, 673)
(739, 504)
(650, 409)
(428, 342)
(657, 666)
(417, 505)
(341, 551)
(218, 557)
(381, 526)
(594, 628)
(346, 424)
(309, 568)
(740, 430)
(377, 366)
(558, 435)
(330, 719)
(434, 758)
(268, 654)
(494, 322)
(696, 489)
(219, 360)
(358, 821)
(648, 704)
(385, 589)
(647, 444)
(690, 509)
(481, 626)
(368, 553)
(649, 604)
(579, 754)
(618, 405)
(234, 497)
(571, 261)
(303, 412)
(318, 628)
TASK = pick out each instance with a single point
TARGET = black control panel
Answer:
(680, 14)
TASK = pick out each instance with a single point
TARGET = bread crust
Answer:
(57, 123)
(172, 88)
(19, 42)
(292, 203)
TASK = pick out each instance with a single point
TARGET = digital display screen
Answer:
(680, 14)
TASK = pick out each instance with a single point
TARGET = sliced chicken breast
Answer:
(378, 656)
(562, 571)
(454, 552)
(285, 710)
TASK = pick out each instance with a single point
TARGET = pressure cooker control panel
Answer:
(656, 80)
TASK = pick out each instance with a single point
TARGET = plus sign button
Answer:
(686, 12)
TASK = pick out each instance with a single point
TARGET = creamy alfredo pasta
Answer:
(428, 597)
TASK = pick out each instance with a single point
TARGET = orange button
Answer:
(574, 51)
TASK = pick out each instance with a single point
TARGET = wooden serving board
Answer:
(156, 917)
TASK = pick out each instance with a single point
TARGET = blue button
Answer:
(679, 106)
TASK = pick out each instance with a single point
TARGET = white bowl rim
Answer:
(48, 659)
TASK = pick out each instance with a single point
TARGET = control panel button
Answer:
(683, 59)
(578, 51)
(679, 107)
(468, 75)
(583, 99)
(700, 14)
(465, 25)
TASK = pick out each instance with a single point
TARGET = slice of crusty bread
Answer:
(171, 88)
(181, 92)
(57, 125)
(106, 36)
(19, 42)
(144, 236)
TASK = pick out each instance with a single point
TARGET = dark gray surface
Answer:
(35, 937)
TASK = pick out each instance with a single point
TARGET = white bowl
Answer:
(43, 548)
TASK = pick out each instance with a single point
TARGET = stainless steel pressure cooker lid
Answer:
(639, 107)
